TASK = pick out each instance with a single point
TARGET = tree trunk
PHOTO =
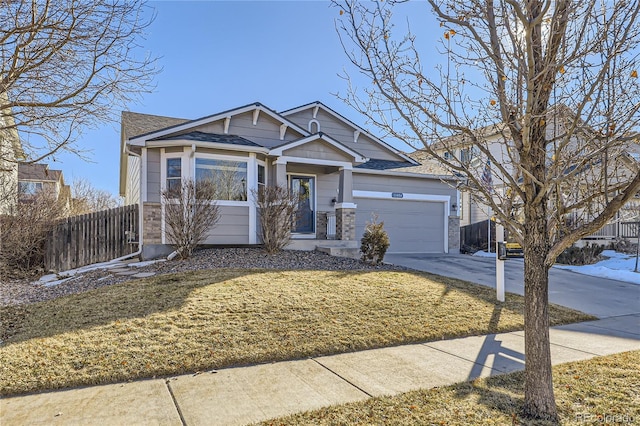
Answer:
(539, 400)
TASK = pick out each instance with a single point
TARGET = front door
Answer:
(304, 187)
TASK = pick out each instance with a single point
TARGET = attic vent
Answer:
(312, 128)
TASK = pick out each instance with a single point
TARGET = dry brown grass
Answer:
(603, 390)
(204, 320)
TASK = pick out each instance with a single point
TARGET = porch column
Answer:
(345, 208)
(281, 172)
(345, 186)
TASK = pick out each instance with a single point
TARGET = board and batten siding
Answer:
(232, 228)
(266, 132)
(343, 133)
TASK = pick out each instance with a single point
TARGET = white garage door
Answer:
(413, 226)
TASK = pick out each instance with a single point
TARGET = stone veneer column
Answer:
(152, 223)
(346, 224)
(321, 225)
(454, 234)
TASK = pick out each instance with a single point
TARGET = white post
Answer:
(489, 231)
(499, 264)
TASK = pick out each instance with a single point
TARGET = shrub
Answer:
(190, 211)
(278, 209)
(23, 234)
(586, 255)
(622, 245)
(374, 242)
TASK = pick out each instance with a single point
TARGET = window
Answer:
(29, 188)
(448, 156)
(230, 177)
(174, 174)
(261, 176)
(470, 155)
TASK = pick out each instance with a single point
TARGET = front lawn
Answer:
(598, 391)
(210, 319)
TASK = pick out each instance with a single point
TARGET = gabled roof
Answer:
(38, 172)
(278, 150)
(210, 137)
(257, 106)
(320, 105)
(136, 124)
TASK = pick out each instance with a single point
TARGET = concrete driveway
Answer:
(596, 296)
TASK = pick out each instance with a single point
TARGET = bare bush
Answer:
(190, 211)
(278, 209)
(23, 235)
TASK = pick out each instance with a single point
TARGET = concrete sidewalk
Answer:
(237, 396)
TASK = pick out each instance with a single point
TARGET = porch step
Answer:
(352, 252)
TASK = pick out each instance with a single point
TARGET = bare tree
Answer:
(552, 83)
(23, 234)
(190, 212)
(68, 65)
(278, 211)
(86, 198)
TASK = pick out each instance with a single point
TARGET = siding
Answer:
(343, 133)
(266, 132)
(132, 195)
(318, 150)
(232, 228)
(327, 189)
(382, 183)
(153, 175)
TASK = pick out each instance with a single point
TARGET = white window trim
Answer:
(308, 236)
(185, 173)
(252, 173)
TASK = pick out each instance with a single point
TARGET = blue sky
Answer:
(218, 55)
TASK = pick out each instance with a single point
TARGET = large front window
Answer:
(229, 177)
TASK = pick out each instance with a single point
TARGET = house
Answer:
(34, 179)
(10, 154)
(348, 174)
(622, 164)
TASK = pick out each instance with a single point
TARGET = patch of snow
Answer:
(483, 254)
(145, 263)
(618, 266)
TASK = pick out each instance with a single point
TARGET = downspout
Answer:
(140, 216)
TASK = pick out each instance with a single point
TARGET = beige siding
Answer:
(132, 195)
(327, 189)
(266, 132)
(153, 175)
(343, 133)
(233, 227)
(318, 150)
(383, 183)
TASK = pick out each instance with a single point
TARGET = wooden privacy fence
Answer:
(91, 238)
(475, 237)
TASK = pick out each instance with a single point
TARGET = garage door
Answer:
(413, 226)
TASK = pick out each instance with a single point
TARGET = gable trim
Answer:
(360, 130)
(141, 139)
(279, 150)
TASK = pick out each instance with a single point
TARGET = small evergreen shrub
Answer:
(586, 255)
(374, 242)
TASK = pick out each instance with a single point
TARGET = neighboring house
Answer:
(347, 174)
(497, 140)
(10, 154)
(35, 179)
